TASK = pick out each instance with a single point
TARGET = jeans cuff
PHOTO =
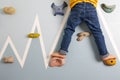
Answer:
(104, 56)
(63, 52)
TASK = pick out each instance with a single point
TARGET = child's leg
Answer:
(73, 21)
(93, 24)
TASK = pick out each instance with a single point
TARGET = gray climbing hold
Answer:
(108, 8)
(59, 10)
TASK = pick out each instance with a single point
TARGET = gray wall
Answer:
(82, 61)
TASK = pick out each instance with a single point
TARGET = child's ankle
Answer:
(62, 52)
(104, 56)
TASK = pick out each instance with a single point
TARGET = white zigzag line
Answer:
(108, 33)
(35, 25)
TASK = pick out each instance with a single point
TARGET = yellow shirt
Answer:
(74, 2)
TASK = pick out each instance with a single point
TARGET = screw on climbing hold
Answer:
(33, 35)
(108, 8)
(110, 62)
(9, 59)
(9, 10)
(59, 10)
(82, 35)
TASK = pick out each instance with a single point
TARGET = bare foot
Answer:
(109, 57)
(57, 60)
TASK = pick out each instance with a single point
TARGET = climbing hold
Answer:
(59, 10)
(108, 8)
(33, 35)
(8, 59)
(110, 62)
(82, 35)
(9, 10)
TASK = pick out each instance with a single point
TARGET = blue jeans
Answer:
(83, 12)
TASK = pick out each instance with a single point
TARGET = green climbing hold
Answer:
(108, 8)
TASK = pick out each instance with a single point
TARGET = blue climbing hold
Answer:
(59, 10)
